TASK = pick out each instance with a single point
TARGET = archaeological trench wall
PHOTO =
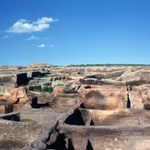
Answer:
(99, 113)
(103, 126)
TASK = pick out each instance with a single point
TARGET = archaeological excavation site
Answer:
(97, 107)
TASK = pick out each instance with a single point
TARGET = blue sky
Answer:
(63, 32)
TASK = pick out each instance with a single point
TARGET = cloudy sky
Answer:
(63, 32)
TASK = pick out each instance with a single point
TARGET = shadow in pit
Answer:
(35, 104)
(82, 105)
(128, 101)
(61, 144)
(70, 145)
(89, 146)
(75, 118)
(92, 123)
(12, 117)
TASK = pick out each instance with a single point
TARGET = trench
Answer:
(36, 105)
(128, 101)
(87, 125)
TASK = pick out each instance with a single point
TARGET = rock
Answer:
(146, 99)
(13, 95)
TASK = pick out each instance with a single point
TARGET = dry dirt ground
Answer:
(75, 107)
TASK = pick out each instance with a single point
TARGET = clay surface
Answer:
(75, 107)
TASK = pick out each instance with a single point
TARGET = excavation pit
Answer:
(18, 129)
(107, 137)
(107, 129)
(117, 117)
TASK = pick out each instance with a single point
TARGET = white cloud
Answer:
(24, 26)
(52, 45)
(5, 37)
(44, 20)
(32, 38)
(41, 46)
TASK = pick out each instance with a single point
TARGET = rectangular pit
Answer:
(120, 129)
(118, 117)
